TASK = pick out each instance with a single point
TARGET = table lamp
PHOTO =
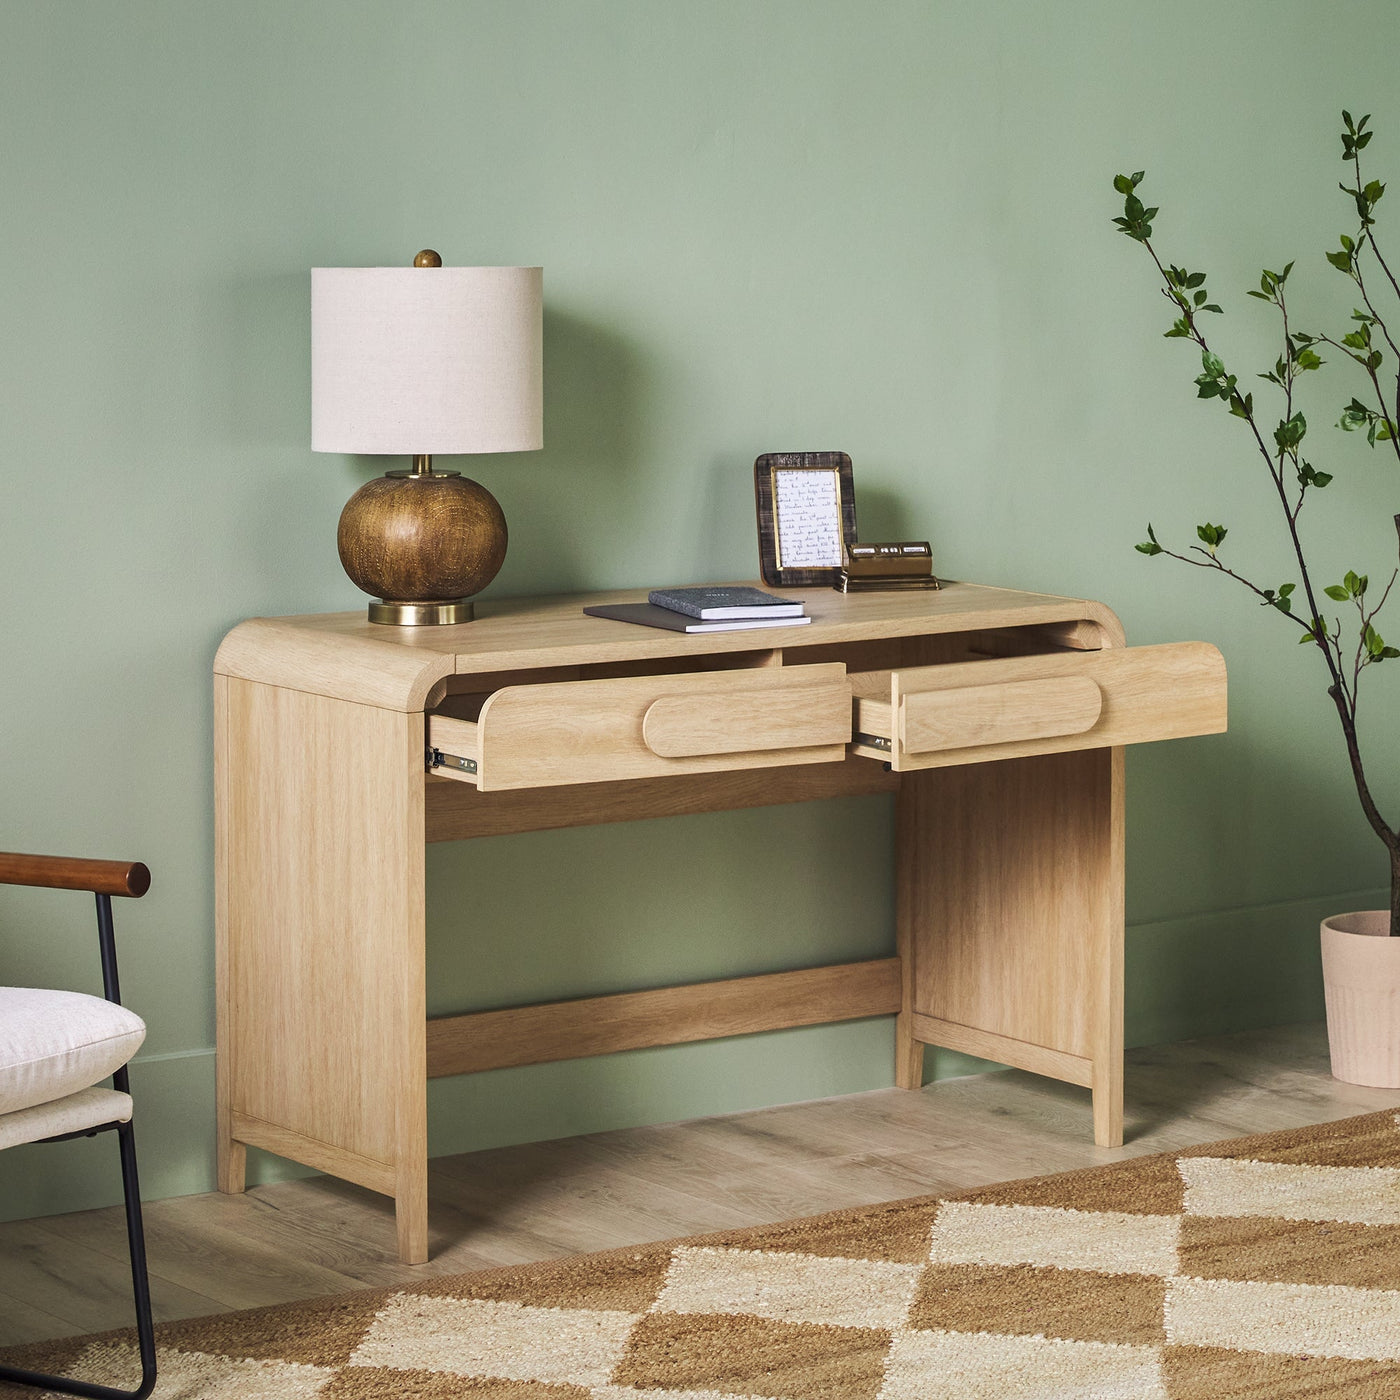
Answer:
(416, 361)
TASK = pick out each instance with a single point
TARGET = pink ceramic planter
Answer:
(1361, 976)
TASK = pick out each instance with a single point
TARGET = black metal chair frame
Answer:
(131, 1191)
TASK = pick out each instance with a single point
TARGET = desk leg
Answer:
(322, 1015)
(232, 1155)
(1011, 918)
(910, 834)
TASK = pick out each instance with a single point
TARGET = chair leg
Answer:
(141, 1291)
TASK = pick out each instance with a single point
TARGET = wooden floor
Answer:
(302, 1239)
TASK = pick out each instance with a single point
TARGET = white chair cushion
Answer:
(88, 1108)
(54, 1043)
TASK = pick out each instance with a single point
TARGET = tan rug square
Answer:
(621, 1281)
(1147, 1186)
(372, 1383)
(321, 1332)
(1074, 1304)
(897, 1233)
(753, 1356)
(1372, 1140)
(1208, 1373)
(1289, 1251)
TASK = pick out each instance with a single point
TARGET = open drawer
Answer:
(975, 711)
(646, 726)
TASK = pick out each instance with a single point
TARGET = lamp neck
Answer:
(422, 465)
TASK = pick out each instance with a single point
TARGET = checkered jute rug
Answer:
(1264, 1267)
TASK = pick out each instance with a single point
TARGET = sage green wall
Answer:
(765, 224)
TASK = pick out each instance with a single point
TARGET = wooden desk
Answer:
(997, 717)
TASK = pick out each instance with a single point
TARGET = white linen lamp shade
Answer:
(418, 361)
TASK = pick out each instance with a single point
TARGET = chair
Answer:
(55, 1048)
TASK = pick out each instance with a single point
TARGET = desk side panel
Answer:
(322, 1035)
(1014, 902)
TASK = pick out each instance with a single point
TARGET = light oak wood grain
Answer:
(1017, 908)
(564, 1030)
(1019, 1054)
(594, 731)
(344, 656)
(324, 1005)
(1172, 691)
(999, 713)
(324, 808)
(732, 722)
(457, 811)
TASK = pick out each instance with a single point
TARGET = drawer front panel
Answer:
(1004, 712)
(979, 711)
(653, 726)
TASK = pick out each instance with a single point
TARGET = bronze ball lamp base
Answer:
(422, 542)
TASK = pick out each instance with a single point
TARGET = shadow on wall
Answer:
(570, 503)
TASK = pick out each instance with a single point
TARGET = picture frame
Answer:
(806, 504)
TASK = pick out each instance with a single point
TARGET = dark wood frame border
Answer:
(763, 469)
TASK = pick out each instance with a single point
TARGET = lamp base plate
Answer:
(422, 614)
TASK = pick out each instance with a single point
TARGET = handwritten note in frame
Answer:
(806, 512)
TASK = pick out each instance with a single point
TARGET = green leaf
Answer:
(1336, 592)
(1122, 184)
(1151, 546)
(1212, 536)
(1213, 363)
(1290, 432)
(1261, 295)
(1195, 279)
(1341, 261)
(1211, 306)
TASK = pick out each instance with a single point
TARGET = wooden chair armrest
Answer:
(119, 877)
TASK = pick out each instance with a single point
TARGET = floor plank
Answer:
(512, 1205)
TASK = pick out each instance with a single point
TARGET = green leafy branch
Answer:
(1292, 476)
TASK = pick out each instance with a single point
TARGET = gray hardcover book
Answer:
(713, 604)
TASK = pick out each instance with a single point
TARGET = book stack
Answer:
(710, 609)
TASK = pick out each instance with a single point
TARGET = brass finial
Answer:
(427, 258)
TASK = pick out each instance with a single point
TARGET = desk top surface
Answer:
(348, 657)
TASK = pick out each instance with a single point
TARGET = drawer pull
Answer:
(719, 722)
(1004, 713)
